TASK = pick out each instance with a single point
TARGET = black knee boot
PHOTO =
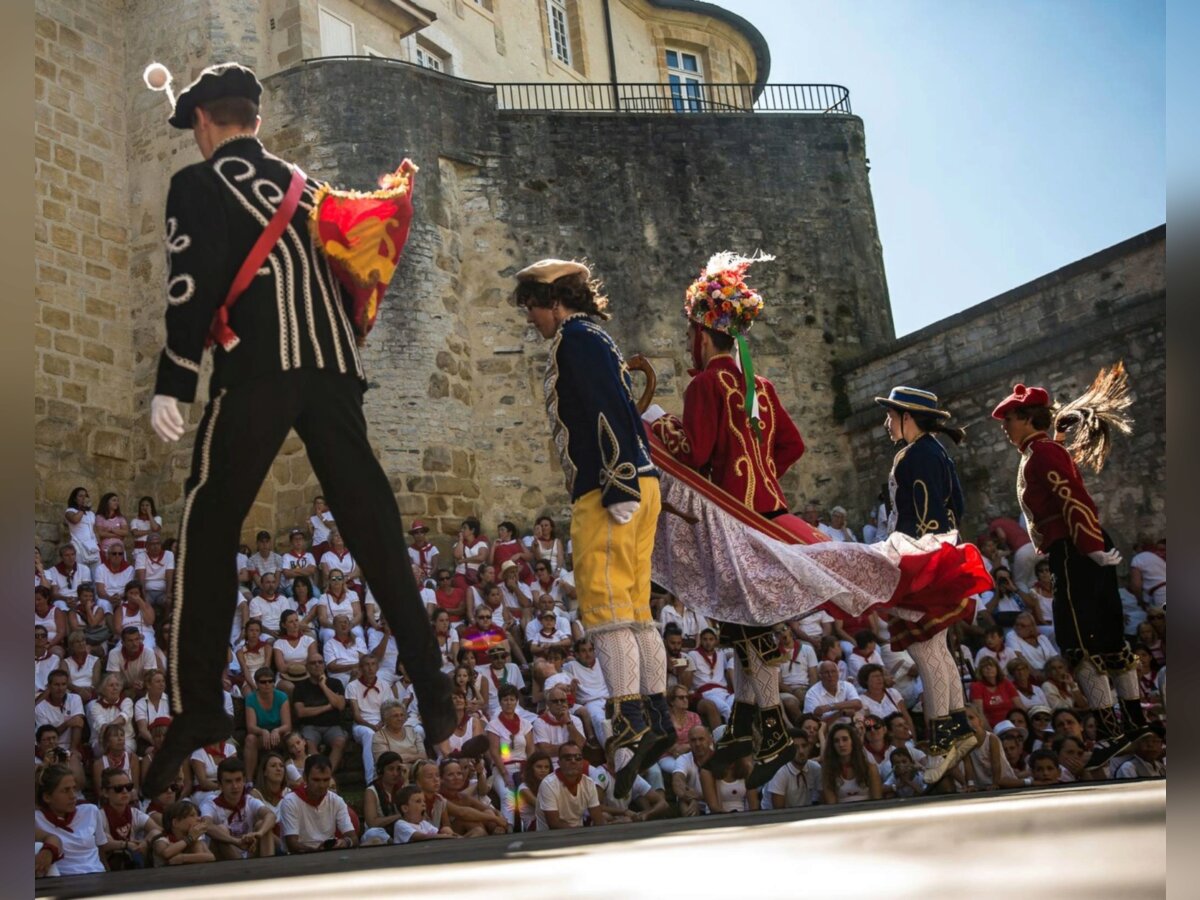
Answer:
(738, 739)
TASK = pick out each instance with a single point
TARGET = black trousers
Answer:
(237, 441)
(1088, 620)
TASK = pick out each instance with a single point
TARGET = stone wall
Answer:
(1057, 331)
(456, 405)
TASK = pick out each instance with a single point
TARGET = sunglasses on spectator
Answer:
(120, 788)
(571, 757)
(266, 681)
(443, 578)
(875, 727)
(561, 700)
(337, 577)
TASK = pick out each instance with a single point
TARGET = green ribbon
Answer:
(748, 374)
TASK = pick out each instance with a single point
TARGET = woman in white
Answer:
(254, 653)
(292, 652)
(847, 776)
(79, 827)
(153, 706)
(728, 792)
(82, 667)
(136, 610)
(511, 738)
(322, 523)
(470, 551)
(837, 529)
(878, 699)
(338, 558)
(1041, 592)
(987, 767)
(204, 764)
(691, 623)
(146, 521)
(338, 601)
(81, 523)
(110, 707)
(545, 546)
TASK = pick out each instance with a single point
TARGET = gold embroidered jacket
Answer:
(1053, 498)
(926, 495)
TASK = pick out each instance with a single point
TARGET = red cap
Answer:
(417, 525)
(1022, 396)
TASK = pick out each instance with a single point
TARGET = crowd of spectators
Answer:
(328, 750)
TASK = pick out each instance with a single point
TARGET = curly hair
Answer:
(573, 291)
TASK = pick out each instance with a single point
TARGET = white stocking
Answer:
(1096, 687)
(939, 676)
(765, 682)
(653, 661)
(620, 661)
(743, 687)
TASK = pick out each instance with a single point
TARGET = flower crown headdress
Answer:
(720, 300)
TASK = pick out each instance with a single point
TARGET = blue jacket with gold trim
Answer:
(926, 495)
(594, 421)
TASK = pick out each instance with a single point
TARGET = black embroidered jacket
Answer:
(926, 495)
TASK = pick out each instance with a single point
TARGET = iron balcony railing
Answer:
(645, 97)
(690, 97)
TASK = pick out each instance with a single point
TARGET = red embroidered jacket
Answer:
(1053, 498)
(714, 436)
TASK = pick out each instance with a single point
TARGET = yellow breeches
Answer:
(612, 562)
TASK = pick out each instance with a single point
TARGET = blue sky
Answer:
(1007, 138)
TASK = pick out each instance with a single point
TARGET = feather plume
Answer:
(1089, 421)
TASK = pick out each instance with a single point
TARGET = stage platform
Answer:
(1096, 841)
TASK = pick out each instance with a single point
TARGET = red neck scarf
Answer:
(710, 658)
(120, 824)
(45, 656)
(512, 723)
(347, 641)
(70, 576)
(217, 750)
(236, 808)
(546, 717)
(373, 686)
(571, 785)
(63, 822)
(118, 763)
(124, 565)
(156, 559)
(303, 795)
(128, 657)
(104, 703)
(131, 608)
(255, 647)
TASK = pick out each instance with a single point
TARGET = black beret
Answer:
(222, 80)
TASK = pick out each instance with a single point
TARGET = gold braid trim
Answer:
(1077, 514)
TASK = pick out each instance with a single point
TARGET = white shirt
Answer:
(42, 669)
(511, 599)
(83, 536)
(290, 654)
(402, 831)
(269, 611)
(690, 622)
(81, 675)
(98, 716)
(520, 744)
(68, 585)
(562, 625)
(797, 785)
(854, 662)
(553, 795)
(590, 683)
(368, 699)
(1154, 577)
(292, 561)
(320, 528)
(144, 711)
(510, 675)
(818, 696)
(344, 565)
(549, 733)
(314, 825)
(237, 822)
(45, 713)
(1035, 654)
(114, 582)
(236, 638)
(710, 673)
(794, 673)
(143, 525)
(606, 784)
(686, 766)
(272, 562)
(203, 757)
(889, 704)
(81, 845)
(1005, 655)
(469, 551)
(812, 626)
(156, 572)
(142, 665)
(844, 535)
(343, 607)
(337, 652)
(391, 654)
(541, 639)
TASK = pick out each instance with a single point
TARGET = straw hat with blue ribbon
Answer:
(913, 400)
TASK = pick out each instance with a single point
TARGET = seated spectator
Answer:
(567, 794)
(994, 646)
(545, 545)
(135, 610)
(64, 578)
(82, 668)
(1026, 640)
(1043, 764)
(270, 784)
(308, 607)
(508, 546)
(866, 651)
(129, 831)
(153, 707)
(380, 811)
(396, 734)
(414, 824)
(799, 782)
(1012, 742)
(381, 643)
(683, 721)
(876, 742)
(900, 735)
(240, 826)
(449, 596)
(1148, 572)
(133, 661)
(291, 652)
(713, 666)
(467, 733)
(475, 689)
(338, 601)
(321, 522)
(556, 726)
(317, 704)
(829, 648)
(877, 699)
(1004, 604)
(831, 699)
(1073, 758)
(643, 802)
(499, 672)
(425, 776)
(366, 695)
(995, 694)
(1041, 597)
(154, 568)
(1148, 636)
(846, 774)
(837, 529)
(588, 686)
(44, 662)
(547, 673)
(269, 605)
(422, 553)
(797, 672)
(1151, 697)
(537, 768)
(184, 838)
(313, 817)
(517, 596)
(95, 618)
(254, 653)
(113, 574)
(511, 739)
(491, 597)
(904, 780)
(147, 522)
(296, 749)
(343, 651)
(1040, 729)
(63, 711)
(296, 563)
(268, 719)
(726, 791)
(690, 622)
(679, 663)
(549, 582)
(987, 765)
(470, 551)
(110, 707)
(52, 619)
(541, 605)
(1148, 760)
(685, 780)
(810, 629)
(1060, 688)
(469, 815)
(483, 635)
(265, 560)
(1028, 693)
(204, 763)
(78, 828)
(113, 755)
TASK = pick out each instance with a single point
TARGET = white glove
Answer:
(653, 413)
(622, 513)
(165, 417)
(1105, 557)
